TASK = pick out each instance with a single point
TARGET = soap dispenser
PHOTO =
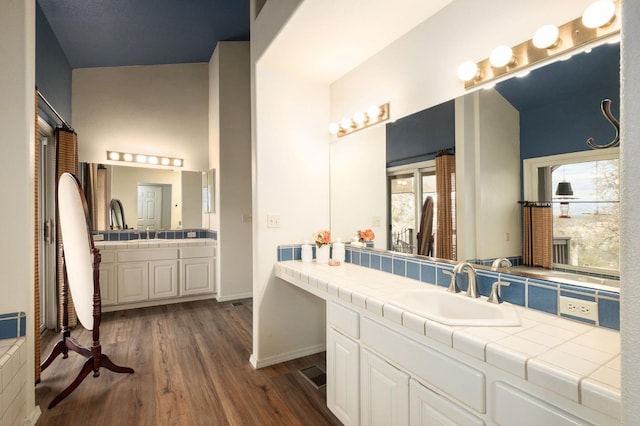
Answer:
(307, 252)
(338, 251)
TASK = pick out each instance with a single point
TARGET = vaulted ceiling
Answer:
(101, 33)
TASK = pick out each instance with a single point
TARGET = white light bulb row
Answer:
(360, 120)
(153, 160)
(547, 38)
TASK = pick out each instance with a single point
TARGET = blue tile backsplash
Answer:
(532, 293)
(13, 325)
(133, 234)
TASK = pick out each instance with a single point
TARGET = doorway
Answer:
(149, 207)
(47, 225)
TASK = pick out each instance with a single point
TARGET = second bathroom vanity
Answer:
(141, 273)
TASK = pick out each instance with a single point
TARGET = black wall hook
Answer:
(606, 111)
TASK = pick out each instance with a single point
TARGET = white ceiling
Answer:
(325, 39)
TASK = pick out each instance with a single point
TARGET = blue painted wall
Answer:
(53, 72)
(559, 104)
(419, 136)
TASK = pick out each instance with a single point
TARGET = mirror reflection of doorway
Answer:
(149, 207)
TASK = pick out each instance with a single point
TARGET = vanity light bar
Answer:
(577, 33)
(153, 160)
(360, 120)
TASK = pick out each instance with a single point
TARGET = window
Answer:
(586, 229)
(409, 187)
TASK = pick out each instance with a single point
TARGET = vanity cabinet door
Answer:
(163, 279)
(343, 378)
(196, 276)
(108, 284)
(385, 392)
(427, 408)
(133, 282)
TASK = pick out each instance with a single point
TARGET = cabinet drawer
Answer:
(344, 319)
(428, 408)
(462, 382)
(516, 407)
(108, 256)
(145, 255)
(196, 251)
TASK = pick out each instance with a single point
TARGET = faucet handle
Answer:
(453, 286)
(494, 297)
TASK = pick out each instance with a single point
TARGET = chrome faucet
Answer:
(147, 232)
(472, 288)
(501, 262)
(495, 297)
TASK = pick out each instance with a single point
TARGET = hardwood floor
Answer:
(191, 363)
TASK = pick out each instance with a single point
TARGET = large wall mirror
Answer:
(545, 119)
(150, 198)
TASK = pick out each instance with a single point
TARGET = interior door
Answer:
(149, 207)
(47, 234)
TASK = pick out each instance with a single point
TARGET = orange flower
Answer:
(366, 235)
(322, 237)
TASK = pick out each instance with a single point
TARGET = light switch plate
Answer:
(273, 221)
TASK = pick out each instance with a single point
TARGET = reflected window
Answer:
(586, 226)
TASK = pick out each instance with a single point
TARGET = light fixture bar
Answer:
(154, 160)
(572, 35)
(360, 120)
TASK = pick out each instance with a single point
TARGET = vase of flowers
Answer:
(365, 236)
(322, 240)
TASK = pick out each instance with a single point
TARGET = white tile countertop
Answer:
(153, 243)
(578, 361)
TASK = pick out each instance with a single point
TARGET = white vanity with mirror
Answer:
(139, 273)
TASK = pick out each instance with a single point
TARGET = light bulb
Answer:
(334, 128)
(165, 162)
(373, 112)
(501, 56)
(177, 162)
(128, 157)
(359, 118)
(152, 160)
(114, 156)
(599, 14)
(467, 71)
(141, 159)
(546, 37)
(345, 123)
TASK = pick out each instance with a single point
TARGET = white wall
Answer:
(291, 179)
(230, 155)
(629, 212)
(487, 176)
(17, 128)
(155, 109)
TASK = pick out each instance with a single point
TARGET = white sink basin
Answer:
(455, 309)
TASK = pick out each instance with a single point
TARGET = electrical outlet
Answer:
(98, 237)
(273, 221)
(246, 218)
(375, 221)
(191, 234)
(579, 308)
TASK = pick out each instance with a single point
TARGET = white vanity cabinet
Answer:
(343, 364)
(196, 270)
(388, 366)
(146, 274)
(385, 392)
(393, 371)
(108, 279)
(163, 279)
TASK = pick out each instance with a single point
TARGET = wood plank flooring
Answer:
(191, 363)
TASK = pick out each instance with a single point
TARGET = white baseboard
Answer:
(31, 419)
(287, 356)
(220, 298)
(158, 302)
